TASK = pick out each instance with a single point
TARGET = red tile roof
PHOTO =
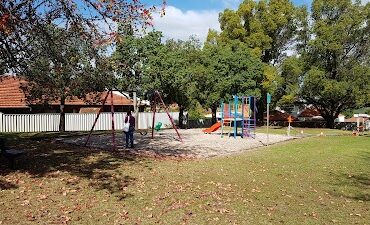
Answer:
(354, 120)
(11, 96)
(277, 115)
(309, 112)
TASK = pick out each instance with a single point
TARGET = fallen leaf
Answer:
(43, 197)
(124, 214)
(25, 202)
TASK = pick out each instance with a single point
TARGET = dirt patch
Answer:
(195, 143)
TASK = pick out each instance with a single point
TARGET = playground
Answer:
(196, 144)
(235, 132)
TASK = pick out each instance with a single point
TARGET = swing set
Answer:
(157, 99)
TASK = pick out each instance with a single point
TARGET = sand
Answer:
(195, 143)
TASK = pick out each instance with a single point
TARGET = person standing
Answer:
(130, 133)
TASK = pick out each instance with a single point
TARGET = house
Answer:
(361, 120)
(341, 118)
(13, 100)
(310, 113)
(277, 115)
(358, 118)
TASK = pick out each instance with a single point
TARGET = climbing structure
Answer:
(241, 112)
(249, 117)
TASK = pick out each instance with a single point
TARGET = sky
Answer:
(185, 18)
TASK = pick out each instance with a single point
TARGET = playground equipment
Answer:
(158, 126)
(157, 98)
(239, 112)
(110, 92)
(213, 128)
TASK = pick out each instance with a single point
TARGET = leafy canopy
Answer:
(228, 69)
(19, 19)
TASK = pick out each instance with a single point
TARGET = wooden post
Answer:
(112, 111)
(136, 110)
(169, 116)
(97, 117)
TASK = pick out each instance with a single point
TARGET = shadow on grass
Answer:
(5, 185)
(357, 185)
(46, 158)
(360, 185)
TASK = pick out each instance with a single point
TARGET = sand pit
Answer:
(195, 143)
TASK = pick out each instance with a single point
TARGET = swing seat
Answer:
(158, 126)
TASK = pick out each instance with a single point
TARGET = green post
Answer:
(268, 116)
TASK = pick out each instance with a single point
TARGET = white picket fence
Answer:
(76, 121)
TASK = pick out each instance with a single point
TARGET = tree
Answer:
(170, 70)
(288, 90)
(144, 63)
(337, 69)
(227, 69)
(70, 67)
(20, 18)
(132, 54)
(270, 28)
(31, 42)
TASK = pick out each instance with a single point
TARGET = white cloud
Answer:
(178, 24)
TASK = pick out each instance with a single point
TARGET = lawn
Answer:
(316, 180)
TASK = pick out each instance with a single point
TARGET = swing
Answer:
(158, 126)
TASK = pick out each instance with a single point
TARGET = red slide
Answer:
(213, 128)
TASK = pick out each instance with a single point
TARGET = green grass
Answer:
(306, 131)
(318, 180)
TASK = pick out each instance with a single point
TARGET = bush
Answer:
(196, 112)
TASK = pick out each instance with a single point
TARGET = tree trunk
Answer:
(261, 107)
(330, 121)
(181, 117)
(62, 125)
(214, 112)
